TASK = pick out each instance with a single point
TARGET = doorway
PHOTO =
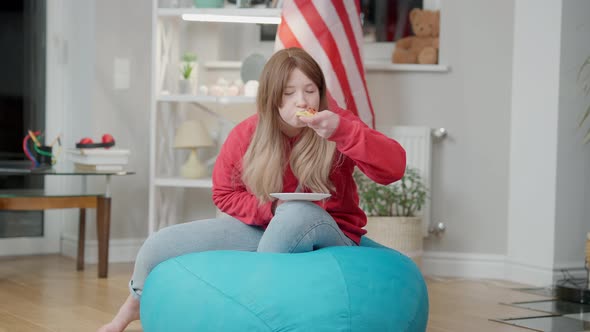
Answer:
(23, 26)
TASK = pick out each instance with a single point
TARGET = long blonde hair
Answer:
(265, 161)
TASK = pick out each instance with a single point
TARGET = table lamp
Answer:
(192, 135)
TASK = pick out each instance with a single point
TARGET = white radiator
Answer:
(417, 141)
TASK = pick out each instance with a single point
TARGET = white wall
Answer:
(533, 148)
(124, 32)
(572, 217)
(110, 29)
(472, 101)
(494, 181)
(71, 95)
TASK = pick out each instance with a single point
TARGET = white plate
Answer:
(300, 196)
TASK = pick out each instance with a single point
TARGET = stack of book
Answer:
(97, 160)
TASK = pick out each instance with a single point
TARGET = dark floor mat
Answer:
(542, 291)
(548, 323)
(554, 307)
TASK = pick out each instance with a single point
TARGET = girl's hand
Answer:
(324, 123)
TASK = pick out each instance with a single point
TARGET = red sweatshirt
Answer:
(381, 158)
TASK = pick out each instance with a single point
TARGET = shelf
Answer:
(227, 11)
(184, 183)
(206, 99)
(369, 66)
(388, 66)
(223, 65)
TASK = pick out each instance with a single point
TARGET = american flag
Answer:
(330, 30)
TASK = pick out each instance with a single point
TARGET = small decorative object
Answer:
(216, 91)
(188, 72)
(209, 3)
(98, 159)
(240, 84)
(107, 141)
(192, 135)
(252, 67)
(38, 153)
(392, 211)
(251, 88)
(232, 90)
(246, 3)
(243, 3)
(423, 47)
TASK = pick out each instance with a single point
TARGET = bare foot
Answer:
(128, 312)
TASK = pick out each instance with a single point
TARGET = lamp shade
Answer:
(192, 134)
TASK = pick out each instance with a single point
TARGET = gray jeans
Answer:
(297, 226)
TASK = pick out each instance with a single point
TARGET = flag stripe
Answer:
(324, 35)
(345, 46)
(346, 18)
(295, 20)
(331, 32)
(287, 36)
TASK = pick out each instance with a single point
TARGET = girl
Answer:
(277, 150)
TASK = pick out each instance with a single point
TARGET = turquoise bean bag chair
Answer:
(364, 288)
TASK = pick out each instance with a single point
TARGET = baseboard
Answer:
(543, 276)
(470, 266)
(485, 266)
(120, 250)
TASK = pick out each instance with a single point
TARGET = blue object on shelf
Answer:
(364, 288)
(209, 3)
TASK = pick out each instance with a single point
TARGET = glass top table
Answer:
(65, 198)
(24, 167)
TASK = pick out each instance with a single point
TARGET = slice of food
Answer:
(309, 112)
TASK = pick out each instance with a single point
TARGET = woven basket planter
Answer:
(403, 234)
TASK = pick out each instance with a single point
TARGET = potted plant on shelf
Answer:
(393, 211)
(188, 73)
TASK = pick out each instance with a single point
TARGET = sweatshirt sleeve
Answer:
(381, 158)
(230, 194)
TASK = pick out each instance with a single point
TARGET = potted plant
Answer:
(188, 73)
(393, 211)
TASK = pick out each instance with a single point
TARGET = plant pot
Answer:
(403, 234)
(186, 87)
(192, 77)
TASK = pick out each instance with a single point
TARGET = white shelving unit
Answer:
(172, 30)
(183, 183)
(205, 99)
(168, 190)
(227, 11)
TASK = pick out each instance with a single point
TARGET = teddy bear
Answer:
(421, 48)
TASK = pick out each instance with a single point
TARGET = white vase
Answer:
(186, 87)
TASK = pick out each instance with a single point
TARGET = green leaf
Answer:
(189, 57)
(186, 70)
(403, 198)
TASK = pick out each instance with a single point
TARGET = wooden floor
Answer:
(46, 293)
